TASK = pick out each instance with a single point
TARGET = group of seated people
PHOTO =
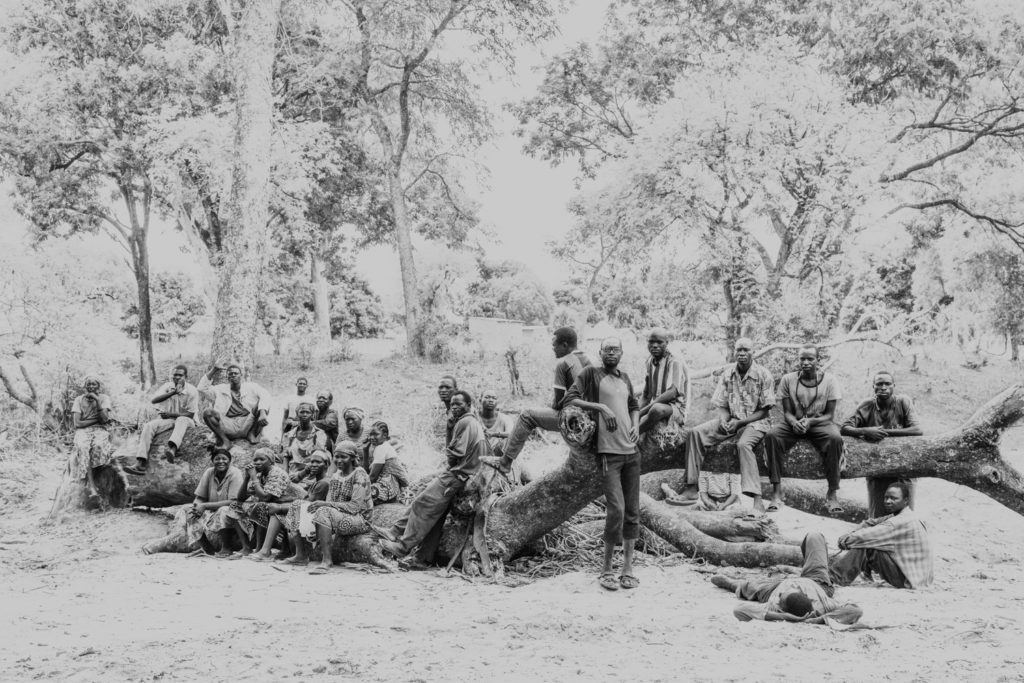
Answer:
(303, 491)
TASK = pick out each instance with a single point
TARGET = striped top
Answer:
(667, 372)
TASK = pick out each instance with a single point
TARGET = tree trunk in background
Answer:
(246, 229)
(403, 239)
(321, 300)
(140, 265)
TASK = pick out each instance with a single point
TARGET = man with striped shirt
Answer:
(666, 396)
(571, 362)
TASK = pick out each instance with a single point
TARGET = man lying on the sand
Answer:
(895, 546)
(239, 408)
(887, 414)
(807, 598)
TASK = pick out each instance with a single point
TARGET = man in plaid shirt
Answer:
(896, 546)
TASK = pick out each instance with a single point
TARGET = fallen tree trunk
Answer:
(663, 520)
(968, 455)
(800, 494)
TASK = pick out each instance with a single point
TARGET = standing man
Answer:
(442, 418)
(666, 396)
(896, 546)
(809, 399)
(608, 392)
(290, 416)
(423, 521)
(178, 403)
(239, 409)
(497, 425)
(744, 398)
(571, 361)
(889, 414)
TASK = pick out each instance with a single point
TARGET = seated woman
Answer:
(265, 483)
(287, 515)
(326, 417)
(387, 473)
(301, 440)
(346, 512)
(353, 418)
(220, 484)
(92, 448)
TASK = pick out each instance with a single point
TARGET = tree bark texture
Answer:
(321, 300)
(406, 260)
(246, 227)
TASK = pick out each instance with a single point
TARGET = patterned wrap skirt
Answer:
(92, 448)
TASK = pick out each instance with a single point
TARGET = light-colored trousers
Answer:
(178, 426)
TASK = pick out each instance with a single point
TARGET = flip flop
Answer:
(223, 554)
(772, 507)
(291, 561)
(836, 509)
(682, 502)
(238, 554)
(259, 558)
(316, 571)
(608, 581)
(629, 581)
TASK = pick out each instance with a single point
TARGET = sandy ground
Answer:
(79, 603)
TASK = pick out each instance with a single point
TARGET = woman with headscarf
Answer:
(92, 448)
(346, 511)
(266, 483)
(387, 472)
(353, 418)
(220, 484)
(326, 417)
(287, 515)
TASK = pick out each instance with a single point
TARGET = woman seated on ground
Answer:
(301, 440)
(220, 484)
(266, 483)
(92, 448)
(387, 473)
(287, 515)
(345, 512)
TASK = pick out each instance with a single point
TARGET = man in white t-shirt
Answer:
(239, 409)
(809, 399)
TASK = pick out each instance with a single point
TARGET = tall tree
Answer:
(95, 82)
(415, 87)
(253, 31)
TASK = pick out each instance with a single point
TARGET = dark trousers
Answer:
(826, 439)
(876, 493)
(816, 567)
(849, 564)
(424, 519)
(621, 485)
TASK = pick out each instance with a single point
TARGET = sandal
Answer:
(292, 561)
(835, 509)
(629, 581)
(772, 506)
(608, 582)
(316, 571)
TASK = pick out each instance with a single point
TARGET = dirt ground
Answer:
(79, 602)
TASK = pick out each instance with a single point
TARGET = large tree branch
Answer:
(1000, 225)
(27, 399)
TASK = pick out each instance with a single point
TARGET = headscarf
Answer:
(320, 454)
(312, 406)
(267, 453)
(346, 446)
(356, 412)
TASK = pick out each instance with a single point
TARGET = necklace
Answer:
(805, 406)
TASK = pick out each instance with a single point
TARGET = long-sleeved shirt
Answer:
(899, 414)
(905, 537)
(467, 445)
